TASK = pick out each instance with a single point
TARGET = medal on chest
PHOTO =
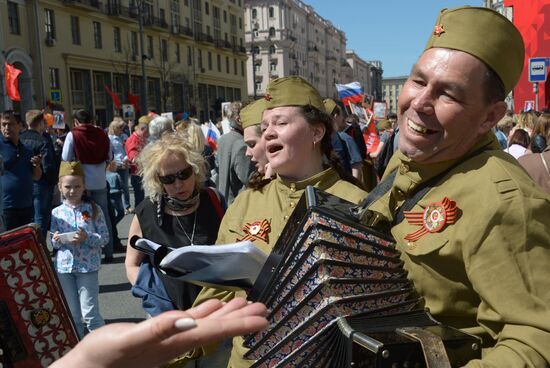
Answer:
(433, 219)
(256, 230)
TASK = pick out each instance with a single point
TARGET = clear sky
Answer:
(392, 31)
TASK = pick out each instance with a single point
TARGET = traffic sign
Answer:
(537, 69)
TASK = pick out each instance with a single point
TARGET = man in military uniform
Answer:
(472, 226)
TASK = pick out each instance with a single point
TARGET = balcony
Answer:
(123, 12)
(203, 37)
(155, 22)
(84, 4)
(239, 49)
(186, 31)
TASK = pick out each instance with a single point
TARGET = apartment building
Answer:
(69, 50)
(369, 74)
(391, 88)
(289, 38)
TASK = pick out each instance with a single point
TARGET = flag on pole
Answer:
(12, 84)
(212, 133)
(134, 100)
(114, 96)
(351, 92)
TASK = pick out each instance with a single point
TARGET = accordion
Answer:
(35, 324)
(338, 296)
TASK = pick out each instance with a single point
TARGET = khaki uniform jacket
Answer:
(275, 203)
(488, 273)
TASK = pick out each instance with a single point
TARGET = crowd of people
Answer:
(481, 268)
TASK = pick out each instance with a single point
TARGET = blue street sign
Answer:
(537, 69)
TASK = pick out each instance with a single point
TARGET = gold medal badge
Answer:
(433, 219)
(256, 230)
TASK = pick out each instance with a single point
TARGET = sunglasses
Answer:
(181, 175)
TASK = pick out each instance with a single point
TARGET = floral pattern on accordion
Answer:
(24, 278)
(298, 333)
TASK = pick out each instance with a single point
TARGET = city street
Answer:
(116, 301)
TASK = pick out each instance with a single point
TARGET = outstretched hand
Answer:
(159, 339)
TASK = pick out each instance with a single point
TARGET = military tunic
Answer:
(274, 203)
(487, 270)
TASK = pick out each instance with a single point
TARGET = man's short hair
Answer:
(494, 88)
(83, 116)
(7, 114)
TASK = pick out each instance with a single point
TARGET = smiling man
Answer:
(472, 226)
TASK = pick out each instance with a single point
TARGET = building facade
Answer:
(70, 50)
(391, 88)
(368, 74)
(287, 37)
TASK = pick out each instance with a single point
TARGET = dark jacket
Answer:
(39, 144)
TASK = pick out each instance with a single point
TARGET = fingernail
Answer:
(184, 324)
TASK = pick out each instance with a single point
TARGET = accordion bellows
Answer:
(35, 324)
(325, 272)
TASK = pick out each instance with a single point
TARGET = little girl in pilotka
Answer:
(79, 232)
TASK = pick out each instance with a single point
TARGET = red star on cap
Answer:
(268, 97)
(438, 30)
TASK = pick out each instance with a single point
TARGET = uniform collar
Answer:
(322, 180)
(411, 174)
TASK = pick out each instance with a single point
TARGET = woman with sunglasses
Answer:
(297, 133)
(178, 211)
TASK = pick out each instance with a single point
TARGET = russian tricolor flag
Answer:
(212, 133)
(351, 92)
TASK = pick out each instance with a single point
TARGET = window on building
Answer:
(209, 60)
(117, 39)
(271, 32)
(272, 49)
(162, 16)
(13, 18)
(49, 23)
(164, 49)
(242, 68)
(227, 64)
(54, 78)
(186, 2)
(150, 47)
(178, 54)
(271, 12)
(97, 35)
(75, 30)
(189, 56)
(240, 23)
(77, 87)
(256, 50)
(219, 60)
(254, 13)
(225, 16)
(134, 44)
(257, 68)
(200, 58)
(206, 8)
(258, 86)
(273, 67)
(235, 66)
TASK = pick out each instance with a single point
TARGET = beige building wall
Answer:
(391, 88)
(195, 56)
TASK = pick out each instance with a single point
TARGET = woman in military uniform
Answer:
(297, 134)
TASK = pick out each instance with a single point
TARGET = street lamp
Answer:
(141, 10)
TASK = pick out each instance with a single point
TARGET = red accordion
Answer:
(35, 324)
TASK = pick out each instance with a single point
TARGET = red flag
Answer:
(12, 84)
(114, 96)
(372, 140)
(134, 100)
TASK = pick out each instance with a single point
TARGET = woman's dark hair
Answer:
(538, 144)
(520, 137)
(314, 116)
(342, 107)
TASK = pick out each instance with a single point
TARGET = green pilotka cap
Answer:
(292, 91)
(71, 168)
(251, 114)
(485, 34)
(330, 105)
